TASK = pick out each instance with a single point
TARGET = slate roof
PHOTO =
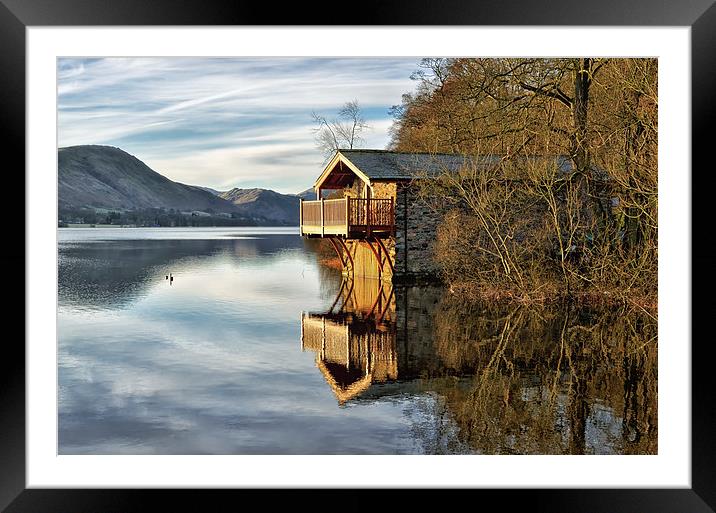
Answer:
(390, 165)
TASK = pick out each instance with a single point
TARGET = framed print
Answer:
(418, 249)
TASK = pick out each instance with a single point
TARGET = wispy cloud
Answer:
(224, 122)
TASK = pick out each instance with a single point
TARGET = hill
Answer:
(208, 189)
(307, 195)
(282, 208)
(110, 178)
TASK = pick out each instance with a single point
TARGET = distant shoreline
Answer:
(73, 225)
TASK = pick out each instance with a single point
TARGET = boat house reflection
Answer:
(355, 340)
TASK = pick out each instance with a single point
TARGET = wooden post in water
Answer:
(300, 216)
(323, 227)
(323, 339)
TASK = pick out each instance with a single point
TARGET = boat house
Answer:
(372, 217)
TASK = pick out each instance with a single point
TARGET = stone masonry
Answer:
(415, 230)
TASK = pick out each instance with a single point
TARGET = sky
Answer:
(225, 122)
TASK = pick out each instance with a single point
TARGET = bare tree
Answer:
(343, 131)
(594, 208)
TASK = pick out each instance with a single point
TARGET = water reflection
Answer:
(211, 363)
(511, 380)
(113, 273)
(355, 340)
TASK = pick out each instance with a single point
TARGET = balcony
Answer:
(351, 218)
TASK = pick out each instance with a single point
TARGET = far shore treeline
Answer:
(151, 217)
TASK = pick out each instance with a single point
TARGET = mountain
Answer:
(208, 189)
(308, 194)
(272, 205)
(110, 178)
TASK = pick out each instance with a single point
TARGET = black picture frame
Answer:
(17, 15)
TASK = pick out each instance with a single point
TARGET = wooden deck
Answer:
(351, 218)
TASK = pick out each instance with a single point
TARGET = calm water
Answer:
(255, 348)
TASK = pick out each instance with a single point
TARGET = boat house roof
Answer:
(382, 165)
(390, 166)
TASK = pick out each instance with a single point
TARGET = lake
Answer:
(255, 347)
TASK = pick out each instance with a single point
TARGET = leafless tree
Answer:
(587, 226)
(343, 131)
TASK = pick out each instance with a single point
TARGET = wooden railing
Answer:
(371, 212)
(323, 213)
(346, 215)
(334, 212)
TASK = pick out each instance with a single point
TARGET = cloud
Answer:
(211, 365)
(224, 122)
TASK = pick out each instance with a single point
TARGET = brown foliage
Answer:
(523, 221)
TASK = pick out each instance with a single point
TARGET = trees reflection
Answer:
(553, 379)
